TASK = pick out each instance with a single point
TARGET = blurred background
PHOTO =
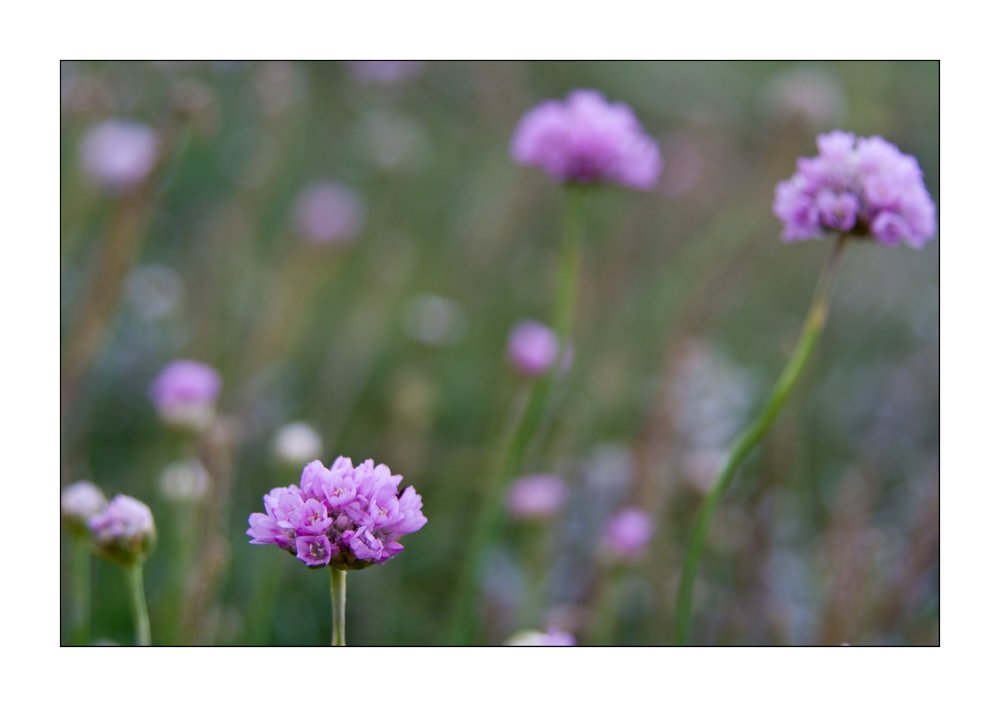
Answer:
(349, 245)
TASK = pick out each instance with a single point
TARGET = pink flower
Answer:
(629, 532)
(864, 186)
(532, 347)
(587, 140)
(118, 154)
(351, 517)
(536, 496)
(328, 212)
(184, 393)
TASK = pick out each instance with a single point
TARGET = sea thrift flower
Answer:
(862, 186)
(587, 140)
(328, 213)
(532, 347)
(184, 393)
(345, 516)
(118, 154)
(629, 532)
(124, 531)
(536, 496)
(79, 502)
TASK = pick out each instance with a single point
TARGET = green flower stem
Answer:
(526, 418)
(569, 265)
(751, 437)
(338, 595)
(137, 599)
(81, 592)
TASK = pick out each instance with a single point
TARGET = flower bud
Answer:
(124, 531)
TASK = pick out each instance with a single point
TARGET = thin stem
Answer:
(752, 435)
(526, 418)
(81, 592)
(569, 264)
(137, 599)
(338, 596)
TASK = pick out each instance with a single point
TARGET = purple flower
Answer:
(536, 496)
(124, 531)
(313, 549)
(587, 140)
(82, 500)
(384, 71)
(119, 154)
(629, 532)
(350, 517)
(328, 213)
(532, 347)
(184, 393)
(863, 186)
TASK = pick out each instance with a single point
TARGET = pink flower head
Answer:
(587, 140)
(118, 154)
(863, 186)
(81, 501)
(536, 496)
(629, 532)
(184, 393)
(532, 347)
(350, 517)
(124, 531)
(328, 213)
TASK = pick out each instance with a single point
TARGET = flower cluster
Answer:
(345, 516)
(184, 393)
(864, 186)
(124, 531)
(587, 140)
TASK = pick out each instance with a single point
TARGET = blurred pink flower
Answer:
(328, 212)
(629, 532)
(536, 496)
(587, 140)
(118, 154)
(532, 347)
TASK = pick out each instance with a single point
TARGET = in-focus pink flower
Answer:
(346, 516)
